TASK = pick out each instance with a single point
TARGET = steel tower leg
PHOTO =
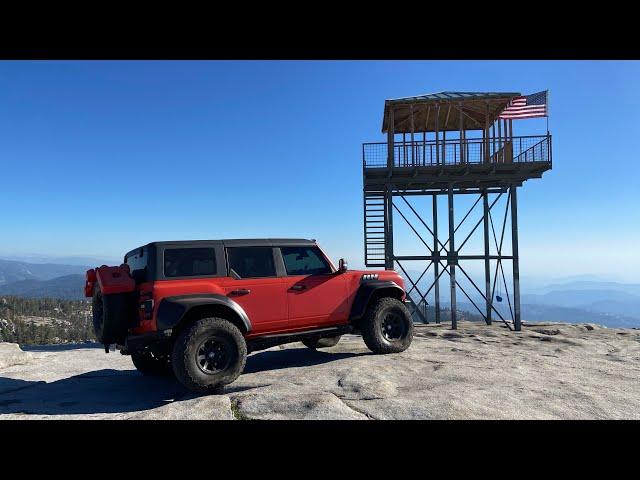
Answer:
(487, 262)
(516, 266)
(452, 260)
(388, 244)
(436, 260)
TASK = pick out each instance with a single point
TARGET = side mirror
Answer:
(342, 265)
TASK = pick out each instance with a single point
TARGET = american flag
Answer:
(528, 106)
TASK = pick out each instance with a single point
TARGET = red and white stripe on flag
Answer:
(530, 106)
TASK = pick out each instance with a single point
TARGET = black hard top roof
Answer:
(233, 242)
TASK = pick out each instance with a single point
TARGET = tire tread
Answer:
(182, 352)
(372, 335)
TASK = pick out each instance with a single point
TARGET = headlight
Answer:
(369, 276)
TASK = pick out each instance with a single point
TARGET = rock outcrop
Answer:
(546, 371)
(11, 354)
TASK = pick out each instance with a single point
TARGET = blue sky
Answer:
(100, 157)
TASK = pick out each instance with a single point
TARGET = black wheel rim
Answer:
(214, 355)
(393, 327)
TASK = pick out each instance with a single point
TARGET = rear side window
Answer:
(251, 262)
(304, 261)
(189, 262)
(137, 262)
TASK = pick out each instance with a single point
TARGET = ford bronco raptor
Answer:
(197, 308)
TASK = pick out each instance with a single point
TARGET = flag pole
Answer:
(547, 112)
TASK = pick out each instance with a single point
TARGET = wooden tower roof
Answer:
(478, 109)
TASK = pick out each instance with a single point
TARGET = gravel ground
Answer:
(546, 371)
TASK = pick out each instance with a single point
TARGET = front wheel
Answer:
(387, 326)
(208, 354)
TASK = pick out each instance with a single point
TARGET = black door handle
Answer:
(297, 288)
(240, 291)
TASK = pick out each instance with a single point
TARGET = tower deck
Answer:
(461, 164)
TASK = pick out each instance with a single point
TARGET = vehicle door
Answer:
(316, 295)
(255, 286)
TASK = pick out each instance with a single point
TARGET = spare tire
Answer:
(112, 315)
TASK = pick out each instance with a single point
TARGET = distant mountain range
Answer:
(555, 313)
(612, 304)
(12, 271)
(630, 288)
(575, 298)
(67, 287)
(63, 260)
(39, 280)
(608, 303)
(615, 300)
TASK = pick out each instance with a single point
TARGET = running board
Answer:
(306, 333)
(268, 341)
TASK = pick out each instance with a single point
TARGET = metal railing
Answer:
(456, 152)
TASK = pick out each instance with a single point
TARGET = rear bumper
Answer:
(135, 343)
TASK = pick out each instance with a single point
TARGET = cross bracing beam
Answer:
(446, 258)
(415, 284)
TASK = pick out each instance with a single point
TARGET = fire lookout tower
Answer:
(451, 144)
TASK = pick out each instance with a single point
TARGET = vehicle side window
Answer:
(137, 262)
(189, 262)
(304, 261)
(251, 262)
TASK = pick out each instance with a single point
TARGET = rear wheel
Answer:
(321, 342)
(149, 364)
(387, 326)
(208, 354)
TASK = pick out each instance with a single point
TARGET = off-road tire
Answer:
(324, 342)
(184, 357)
(149, 364)
(371, 326)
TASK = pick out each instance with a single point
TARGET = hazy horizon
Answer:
(107, 156)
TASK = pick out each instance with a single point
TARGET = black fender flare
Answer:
(172, 310)
(365, 293)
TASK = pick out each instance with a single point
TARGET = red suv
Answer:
(196, 308)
